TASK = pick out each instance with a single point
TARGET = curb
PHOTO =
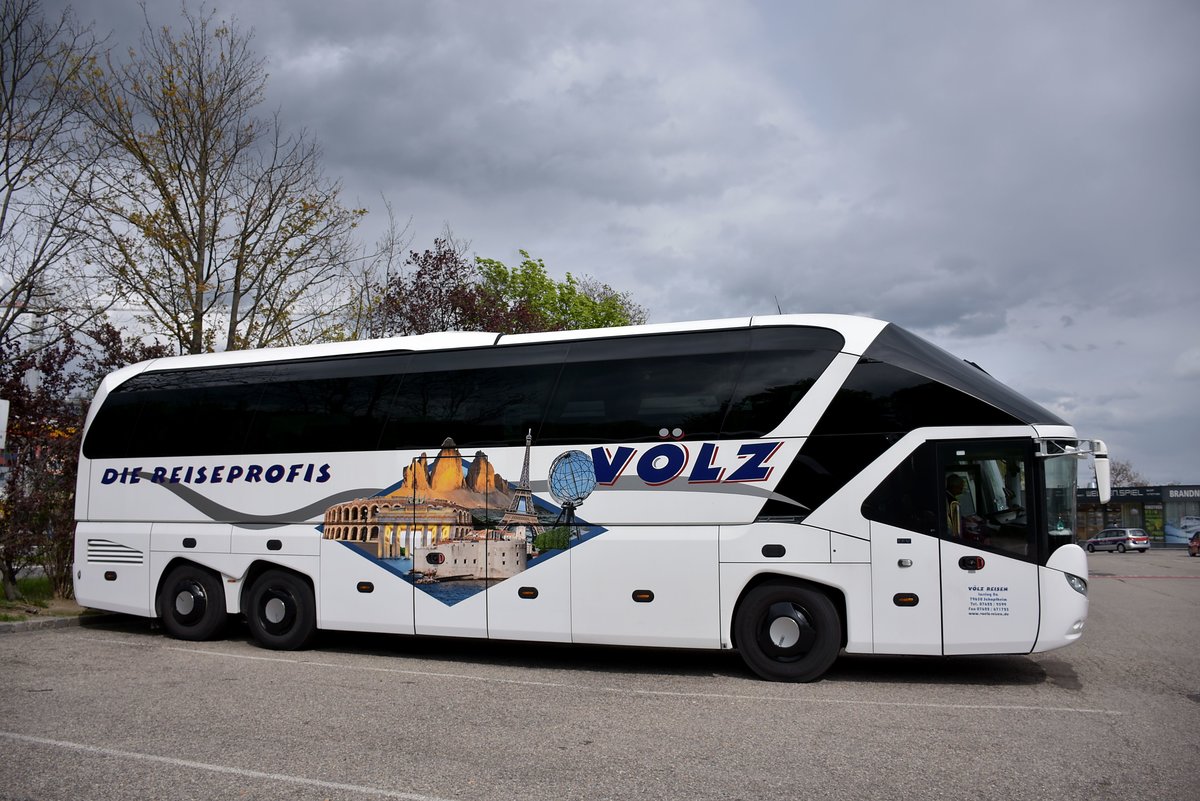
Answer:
(49, 622)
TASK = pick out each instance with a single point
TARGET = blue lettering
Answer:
(609, 469)
(216, 476)
(705, 472)
(294, 471)
(110, 476)
(235, 472)
(662, 463)
(323, 476)
(308, 473)
(201, 475)
(135, 476)
(254, 472)
(187, 479)
(160, 475)
(274, 473)
(755, 467)
(175, 474)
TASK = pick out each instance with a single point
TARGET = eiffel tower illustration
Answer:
(522, 514)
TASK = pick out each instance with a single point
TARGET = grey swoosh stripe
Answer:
(223, 514)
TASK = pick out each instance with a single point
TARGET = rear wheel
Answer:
(1120, 547)
(192, 603)
(786, 632)
(281, 611)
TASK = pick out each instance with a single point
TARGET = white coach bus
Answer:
(788, 486)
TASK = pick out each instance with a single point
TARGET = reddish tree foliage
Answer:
(48, 393)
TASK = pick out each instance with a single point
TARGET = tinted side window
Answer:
(908, 497)
(879, 397)
(783, 363)
(484, 397)
(823, 467)
(184, 413)
(628, 389)
(332, 405)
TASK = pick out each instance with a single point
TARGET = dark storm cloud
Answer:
(1018, 181)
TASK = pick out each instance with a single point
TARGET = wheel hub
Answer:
(185, 602)
(784, 632)
(275, 610)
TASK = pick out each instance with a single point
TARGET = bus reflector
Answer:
(905, 599)
(643, 596)
(366, 586)
(110, 575)
(527, 592)
(274, 545)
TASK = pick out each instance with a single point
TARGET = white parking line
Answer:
(627, 691)
(187, 763)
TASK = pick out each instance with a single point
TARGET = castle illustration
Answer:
(431, 518)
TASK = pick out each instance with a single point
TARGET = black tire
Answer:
(192, 603)
(1120, 547)
(786, 632)
(1091, 548)
(281, 611)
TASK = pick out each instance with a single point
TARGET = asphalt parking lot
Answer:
(114, 709)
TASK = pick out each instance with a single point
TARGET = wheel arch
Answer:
(836, 596)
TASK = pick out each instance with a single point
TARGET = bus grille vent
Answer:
(108, 552)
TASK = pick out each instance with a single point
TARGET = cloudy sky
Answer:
(1019, 181)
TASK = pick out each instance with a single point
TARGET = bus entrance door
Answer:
(989, 581)
(989, 601)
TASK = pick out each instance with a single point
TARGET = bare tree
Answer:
(41, 175)
(208, 215)
(1124, 474)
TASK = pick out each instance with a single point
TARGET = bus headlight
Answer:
(1077, 584)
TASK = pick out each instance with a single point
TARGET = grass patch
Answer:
(36, 589)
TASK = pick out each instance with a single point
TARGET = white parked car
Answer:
(1119, 540)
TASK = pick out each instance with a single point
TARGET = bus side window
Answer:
(485, 397)
(984, 496)
(782, 365)
(907, 498)
(631, 389)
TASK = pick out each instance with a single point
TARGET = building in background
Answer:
(1169, 514)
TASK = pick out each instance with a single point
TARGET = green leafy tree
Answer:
(442, 289)
(526, 293)
(205, 213)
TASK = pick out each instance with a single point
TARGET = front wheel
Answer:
(192, 603)
(281, 611)
(1091, 548)
(786, 632)
(1120, 547)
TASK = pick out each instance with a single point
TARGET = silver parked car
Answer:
(1119, 540)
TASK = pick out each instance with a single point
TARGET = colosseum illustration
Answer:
(429, 519)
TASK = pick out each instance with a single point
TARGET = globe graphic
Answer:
(572, 478)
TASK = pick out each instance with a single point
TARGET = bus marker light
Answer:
(366, 587)
(110, 575)
(274, 545)
(971, 563)
(643, 596)
(773, 551)
(906, 599)
(527, 592)
(189, 542)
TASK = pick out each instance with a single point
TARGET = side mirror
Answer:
(1100, 465)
